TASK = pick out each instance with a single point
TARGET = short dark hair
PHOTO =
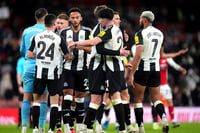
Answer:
(106, 13)
(63, 16)
(115, 13)
(98, 8)
(74, 9)
(49, 20)
(40, 13)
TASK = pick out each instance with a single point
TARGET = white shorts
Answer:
(165, 90)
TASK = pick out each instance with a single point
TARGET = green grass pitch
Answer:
(184, 128)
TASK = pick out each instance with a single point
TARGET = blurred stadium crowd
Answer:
(178, 19)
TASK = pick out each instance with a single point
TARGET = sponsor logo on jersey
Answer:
(101, 34)
(69, 36)
(65, 84)
(102, 88)
(136, 40)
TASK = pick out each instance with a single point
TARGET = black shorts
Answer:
(116, 81)
(145, 78)
(61, 85)
(52, 85)
(76, 80)
(97, 81)
(123, 81)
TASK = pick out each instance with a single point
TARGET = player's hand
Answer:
(70, 56)
(183, 51)
(80, 47)
(130, 81)
(184, 71)
(71, 44)
(128, 65)
(124, 52)
(21, 91)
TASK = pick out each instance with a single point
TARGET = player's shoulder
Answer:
(27, 29)
(66, 29)
(97, 26)
(139, 31)
(151, 29)
(40, 33)
(115, 28)
(34, 28)
(157, 30)
(116, 31)
(110, 28)
(50, 33)
(95, 30)
(20, 58)
(86, 28)
(56, 35)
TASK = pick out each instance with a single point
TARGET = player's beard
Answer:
(76, 26)
(141, 26)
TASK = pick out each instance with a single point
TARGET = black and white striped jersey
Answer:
(49, 48)
(95, 58)
(80, 56)
(112, 42)
(152, 40)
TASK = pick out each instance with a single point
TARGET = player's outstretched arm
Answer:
(182, 70)
(89, 43)
(171, 55)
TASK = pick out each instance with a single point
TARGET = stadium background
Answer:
(178, 19)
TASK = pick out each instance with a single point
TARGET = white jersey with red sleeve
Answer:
(163, 71)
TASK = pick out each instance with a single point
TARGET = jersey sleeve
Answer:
(173, 64)
(63, 46)
(63, 33)
(19, 66)
(105, 35)
(88, 34)
(102, 50)
(138, 38)
(32, 47)
(22, 46)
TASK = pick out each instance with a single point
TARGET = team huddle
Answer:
(67, 61)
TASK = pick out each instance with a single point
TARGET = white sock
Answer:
(66, 128)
